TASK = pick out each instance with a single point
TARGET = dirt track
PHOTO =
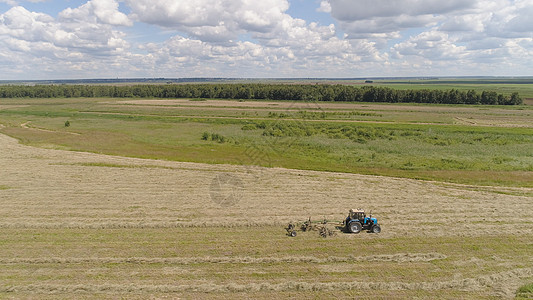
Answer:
(45, 188)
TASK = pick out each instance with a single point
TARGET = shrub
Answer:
(525, 292)
(214, 137)
(249, 127)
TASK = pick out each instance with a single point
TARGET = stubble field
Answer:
(84, 225)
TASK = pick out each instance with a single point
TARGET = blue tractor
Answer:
(357, 221)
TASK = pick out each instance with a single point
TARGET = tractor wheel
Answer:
(355, 227)
(376, 229)
(293, 233)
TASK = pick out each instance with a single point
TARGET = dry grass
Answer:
(60, 189)
(465, 284)
(306, 105)
(462, 115)
(399, 257)
(78, 224)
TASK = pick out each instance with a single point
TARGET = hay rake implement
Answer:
(354, 223)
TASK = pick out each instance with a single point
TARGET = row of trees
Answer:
(264, 92)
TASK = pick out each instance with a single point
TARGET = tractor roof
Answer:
(357, 210)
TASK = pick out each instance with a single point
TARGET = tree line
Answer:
(264, 92)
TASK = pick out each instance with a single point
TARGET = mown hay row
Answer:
(135, 225)
(431, 230)
(399, 257)
(490, 282)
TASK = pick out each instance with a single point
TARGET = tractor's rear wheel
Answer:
(293, 233)
(376, 229)
(355, 227)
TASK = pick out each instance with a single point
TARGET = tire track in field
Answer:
(397, 258)
(27, 126)
(499, 284)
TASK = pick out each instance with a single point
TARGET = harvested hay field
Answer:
(322, 106)
(76, 224)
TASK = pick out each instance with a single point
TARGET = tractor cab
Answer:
(356, 214)
(357, 221)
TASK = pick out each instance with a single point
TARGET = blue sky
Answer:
(44, 39)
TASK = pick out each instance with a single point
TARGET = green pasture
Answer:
(413, 141)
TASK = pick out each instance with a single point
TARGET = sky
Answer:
(77, 39)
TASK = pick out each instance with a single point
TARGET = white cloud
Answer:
(25, 25)
(101, 11)
(311, 57)
(37, 42)
(368, 18)
(9, 2)
(84, 37)
(325, 6)
(354, 10)
(242, 38)
(211, 20)
(448, 34)
(279, 40)
(434, 45)
(16, 3)
(520, 21)
(466, 23)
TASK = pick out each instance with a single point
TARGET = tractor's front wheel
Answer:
(355, 227)
(376, 229)
(292, 233)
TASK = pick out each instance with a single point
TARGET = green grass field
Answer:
(464, 144)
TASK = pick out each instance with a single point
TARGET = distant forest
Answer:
(302, 92)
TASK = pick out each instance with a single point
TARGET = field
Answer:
(464, 144)
(188, 198)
